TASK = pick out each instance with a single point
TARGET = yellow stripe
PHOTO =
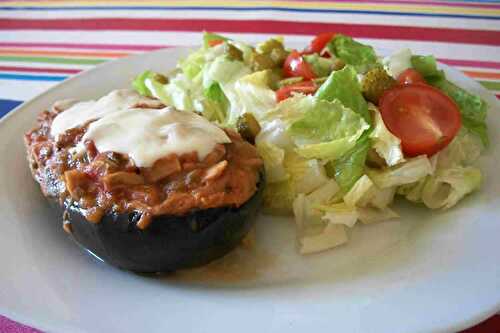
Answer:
(403, 8)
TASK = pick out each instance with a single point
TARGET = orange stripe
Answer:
(482, 75)
(63, 53)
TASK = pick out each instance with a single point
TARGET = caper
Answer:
(248, 127)
(260, 62)
(160, 78)
(234, 53)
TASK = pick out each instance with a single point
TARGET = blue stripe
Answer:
(31, 77)
(300, 10)
(6, 105)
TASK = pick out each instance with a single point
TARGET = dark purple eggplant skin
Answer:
(170, 242)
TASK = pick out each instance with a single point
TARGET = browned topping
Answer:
(77, 183)
(101, 182)
(119, 179)
(162, 168)
(215, 171)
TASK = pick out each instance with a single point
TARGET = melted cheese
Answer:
(82, 112)
(146, 135)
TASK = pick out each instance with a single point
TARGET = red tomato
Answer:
(305, 87)
(410, 76)
(295, 65)
(425, 119)
(215, 42)
(319, 42)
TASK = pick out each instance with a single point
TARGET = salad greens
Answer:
(329, 156)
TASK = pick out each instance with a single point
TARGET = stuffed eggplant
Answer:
(142, 186)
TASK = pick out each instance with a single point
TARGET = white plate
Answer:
(427, 272)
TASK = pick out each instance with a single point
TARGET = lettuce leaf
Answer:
(351, 52)
(326, 130)
(321, 66)
(448, 186)
(472, 108)
(386, 144)
(350, 167)
(275, 132)
(408, 172)
(340, 213)
(314, 234)
(292, 175)
(361, 192)
(273, 158)
(343, 85)
(216, 107)
(279, 197)
(306, 174)
(369, 215)
(398, 62)
(139, 83)
(254, 96)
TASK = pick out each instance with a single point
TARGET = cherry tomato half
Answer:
(319, 42)
(425, 119)
(305, 87)
(410, 76)
(295, 65)
(215, 42)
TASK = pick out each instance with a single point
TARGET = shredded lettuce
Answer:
(290, 172)
(343, 85)
(405, 173)
(340, 213)
(361, 192)
(314, 233)
(383, 197)
(448, 186)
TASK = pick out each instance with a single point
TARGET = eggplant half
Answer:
(170, 242)
(142, 209)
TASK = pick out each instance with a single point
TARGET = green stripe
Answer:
(77, 61)
(491, 85)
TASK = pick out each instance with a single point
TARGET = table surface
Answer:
(44, 42)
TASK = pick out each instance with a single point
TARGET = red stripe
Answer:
(260, 26)
(85, 46)
(39, 70)
(471, 63)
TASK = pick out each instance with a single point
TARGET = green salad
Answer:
(342, 131)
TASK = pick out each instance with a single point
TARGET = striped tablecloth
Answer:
(43, 42)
